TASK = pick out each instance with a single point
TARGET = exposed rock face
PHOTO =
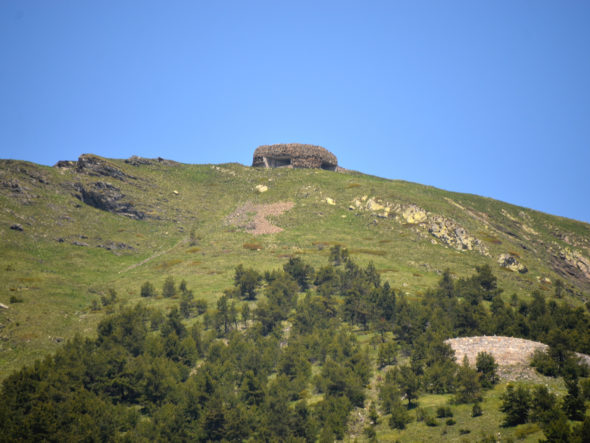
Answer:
(294, 155)
(446, 230)
(452, 234)
(509, 261)
(68, 164)
(106, 197)
(569, 262)
(414, 214)
(96, 166)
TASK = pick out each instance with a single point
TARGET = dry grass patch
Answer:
(253, 246)
(167, 264)
(375, 252)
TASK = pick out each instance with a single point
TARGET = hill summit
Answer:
(294, 155)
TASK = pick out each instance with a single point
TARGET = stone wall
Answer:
(505, 350)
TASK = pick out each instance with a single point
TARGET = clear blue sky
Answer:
(486, 97)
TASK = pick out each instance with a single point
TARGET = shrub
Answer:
(515, 404)
(201, 306)
(421, 414)
(399, 418)
(168, 290)
(15, 299)
(444, 411)
(544, 364)
(247, 281)
(147, 290)
(486, 368)
(431, 421)
(450, 422)
(476, 410)
(109, 298)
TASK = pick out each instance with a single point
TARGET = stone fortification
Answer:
(506, 351)
(294, 155)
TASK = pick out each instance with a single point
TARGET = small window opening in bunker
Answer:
(328, 167)
(279, 162)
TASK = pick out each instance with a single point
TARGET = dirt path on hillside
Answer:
(253, 218)
(151, 257)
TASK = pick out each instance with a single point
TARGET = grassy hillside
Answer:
(59, 253)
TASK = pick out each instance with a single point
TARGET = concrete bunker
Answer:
(294, 155)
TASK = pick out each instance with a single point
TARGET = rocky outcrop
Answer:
(446, 230)
(66, 164)
(413, 214)
(571, 263)
(135, 160)
(92, 165)
(510, 262)
(294, 155)
(106, 197)
(454, 235)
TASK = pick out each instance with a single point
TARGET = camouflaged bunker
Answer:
(294, 155)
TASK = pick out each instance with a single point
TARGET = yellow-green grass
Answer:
(59, 281)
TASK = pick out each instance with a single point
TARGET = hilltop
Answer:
(73, 232)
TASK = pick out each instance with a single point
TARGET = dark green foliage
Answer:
(247, 281)
(15, 299)
(408, 383)
(468, 386)
(300, 271)
(147, 377)
(444, 411)
(399, 417)
(573, 402)
(187, 303)
(109, 298)
(585, 386)
(332, 413)
(225, 317)
(581, 432)
(544, 406)
(482, 286)
(245, 313)
(373, 414)
(168, 289)
(147, 290)
(515, 404)
(544, 364)
(386, 354)
(557, 430)
(200, 306)
(430, 421)
(338, 255)
(476, 410)
(486, 368)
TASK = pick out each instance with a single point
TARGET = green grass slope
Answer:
(59, 254)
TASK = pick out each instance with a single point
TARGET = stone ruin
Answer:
(294, 155)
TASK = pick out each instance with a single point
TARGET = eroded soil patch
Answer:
(252, 218)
